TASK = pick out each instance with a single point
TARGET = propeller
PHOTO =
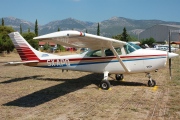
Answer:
(171, 55)
(170, 74)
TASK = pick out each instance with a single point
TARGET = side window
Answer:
(118, 50)
(96, 53)
(108, 52)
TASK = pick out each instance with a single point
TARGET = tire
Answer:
(119, 77)
(151, 84)
(105, 84)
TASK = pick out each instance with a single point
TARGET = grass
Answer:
(36, 93)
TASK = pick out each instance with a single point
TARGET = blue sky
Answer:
(90, 10)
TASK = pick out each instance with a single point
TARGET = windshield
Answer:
(134, 45)
(130, 47)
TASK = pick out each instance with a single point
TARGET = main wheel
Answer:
(151, 84)
(105, 84)
(119, 77)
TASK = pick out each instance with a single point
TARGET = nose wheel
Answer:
(151, 82)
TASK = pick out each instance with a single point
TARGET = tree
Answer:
(61, 48)
(124, 36)
(58, 29)
(29, 30)
(98, 30)
(20, 29)
(2, 22)
(5, 41)
(147, 41)
(36, 28)
(86, 31)
(29, 37)
(117, 37)
(46, 46)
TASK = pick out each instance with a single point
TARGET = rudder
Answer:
(26, 52)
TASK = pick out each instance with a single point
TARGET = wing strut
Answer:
(119, 59)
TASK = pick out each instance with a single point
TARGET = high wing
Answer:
(78, 39)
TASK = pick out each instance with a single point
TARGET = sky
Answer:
(46, 11)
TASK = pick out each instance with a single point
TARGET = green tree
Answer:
(58, 29)
(36, 28)
(117, 37)
(61, 48)
(86, 31)
(20, 29)
(29, 37)
(148, 41)
(34, 43)
(98, 30)
(46, 46)
(124, 36)
(29, 30)
(2, 22)
(132, 38)
(5, 41)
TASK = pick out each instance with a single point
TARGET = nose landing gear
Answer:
(151, 82)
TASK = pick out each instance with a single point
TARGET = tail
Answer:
(26, 52)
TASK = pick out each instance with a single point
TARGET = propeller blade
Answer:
(170, 68)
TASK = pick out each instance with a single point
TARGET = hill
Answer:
(108, 28)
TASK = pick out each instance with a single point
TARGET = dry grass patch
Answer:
(36, 93)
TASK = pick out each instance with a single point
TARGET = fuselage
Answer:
(138, 61)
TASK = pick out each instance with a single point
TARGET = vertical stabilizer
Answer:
(26, 52)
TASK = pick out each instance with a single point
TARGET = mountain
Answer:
(15, 23)
(108, 28)
(66, 24)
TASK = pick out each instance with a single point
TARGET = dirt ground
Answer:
(49, 94)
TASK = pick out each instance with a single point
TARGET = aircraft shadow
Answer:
(127, 83)
(20, 79)
(53, 92)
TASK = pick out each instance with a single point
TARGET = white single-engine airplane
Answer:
(106, 55)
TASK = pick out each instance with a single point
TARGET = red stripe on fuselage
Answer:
(103, 58)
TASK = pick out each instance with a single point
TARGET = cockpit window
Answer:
(135, 46)
(95, 53)
(108, 52)
(130, 47)
(100, 53)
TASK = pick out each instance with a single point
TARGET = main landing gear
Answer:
(119, 77)
(105, 84)
(151, 82)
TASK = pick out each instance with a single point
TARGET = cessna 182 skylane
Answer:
(106, 55)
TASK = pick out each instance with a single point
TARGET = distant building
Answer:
(41, 44)
(161, 33)
(53, 46)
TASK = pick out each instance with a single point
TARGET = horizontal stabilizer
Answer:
(20, 63)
